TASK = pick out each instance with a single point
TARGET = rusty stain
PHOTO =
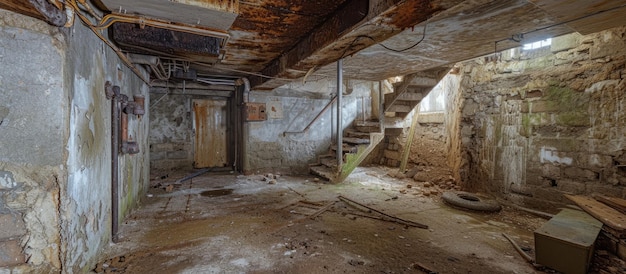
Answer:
(411, 13)
(255, 112)
(265, 29)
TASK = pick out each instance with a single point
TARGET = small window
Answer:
(538, 44)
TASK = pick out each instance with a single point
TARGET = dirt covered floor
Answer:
(224, 223)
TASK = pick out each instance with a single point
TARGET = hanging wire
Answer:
(409, 47)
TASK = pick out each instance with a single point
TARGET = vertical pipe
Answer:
(381, 106)
(115, 122)
(339, 124)
(363, 108)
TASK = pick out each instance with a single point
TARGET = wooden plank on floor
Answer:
(616, 203)
(607, 215)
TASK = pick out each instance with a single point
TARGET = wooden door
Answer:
(211, 133)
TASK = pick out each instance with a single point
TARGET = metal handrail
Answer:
(314, 119)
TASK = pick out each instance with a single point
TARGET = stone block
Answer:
(179, 154)
(524, 107)
(469, 108)
(551, 194)
(562, 58)
(580, 174)
(157, 155)
(573, 119)
(11, 253)
(573, 187)
(161, 147)
(437, 117)
(551, 171)
(11, 226)
(395, 155)
(543, 106)
(605, 189)
(565, 42)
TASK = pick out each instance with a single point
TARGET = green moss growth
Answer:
(573, 119)
(566, 99)
(354, 159)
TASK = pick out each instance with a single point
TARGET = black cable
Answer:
(354, 41)
(410, 47)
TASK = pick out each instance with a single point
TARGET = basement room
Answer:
(325, 136)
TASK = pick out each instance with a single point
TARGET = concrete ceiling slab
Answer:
(586, 17)
(470, 29)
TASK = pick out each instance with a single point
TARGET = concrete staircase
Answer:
(408, 93)
(358, 142)
(364, 136)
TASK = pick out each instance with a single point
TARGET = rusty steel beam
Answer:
(40, 9)
(355, 26)
(152, 40)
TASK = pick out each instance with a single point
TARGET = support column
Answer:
(339, 123)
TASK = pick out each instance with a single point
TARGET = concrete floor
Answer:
(222, 223)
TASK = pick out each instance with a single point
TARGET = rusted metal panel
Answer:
(149, 40)
(211, 139)
(255, 112)
(40, 9)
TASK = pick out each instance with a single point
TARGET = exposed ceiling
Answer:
(273, 42)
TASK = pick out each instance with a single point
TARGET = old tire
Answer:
(468, 200)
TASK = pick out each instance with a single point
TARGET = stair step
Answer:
(356, 134)
(400, 108)
(329, 162)
(356, 141)
(367, 126)
(367, 123)
(346, 148)
(411, 96)
(323, 171)
(423, 81)
(319, 157)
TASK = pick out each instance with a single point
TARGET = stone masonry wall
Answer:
(541, 123)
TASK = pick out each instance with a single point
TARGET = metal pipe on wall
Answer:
(115, 122)
(339, 124)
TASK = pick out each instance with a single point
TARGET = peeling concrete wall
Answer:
(268, 149)
(55, 163)
(86, 205)
(171, 133)
(537, 124)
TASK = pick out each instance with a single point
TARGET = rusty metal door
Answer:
(211, 133)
